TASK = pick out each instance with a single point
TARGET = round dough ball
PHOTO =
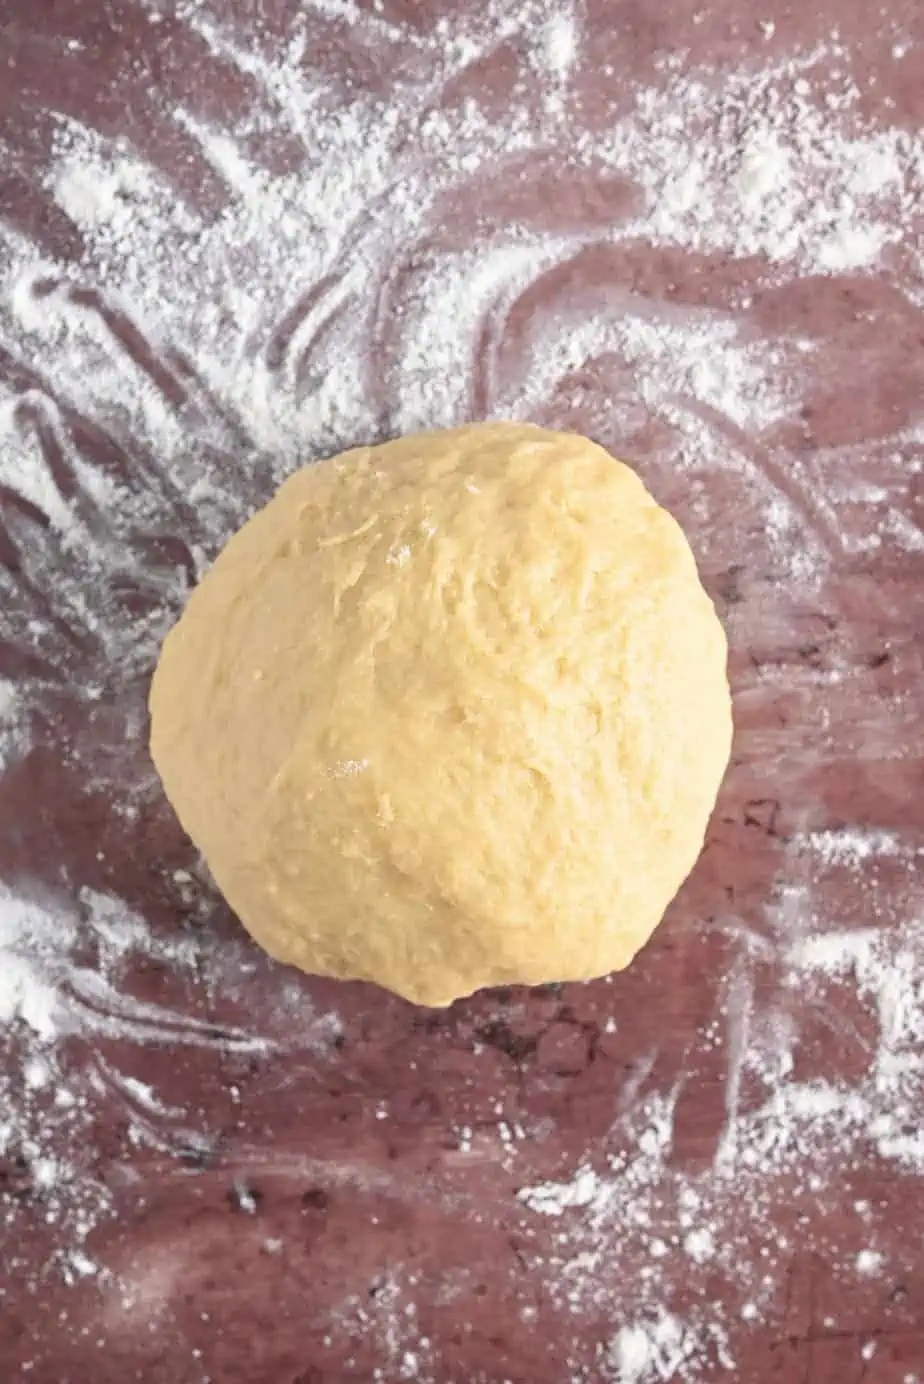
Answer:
(450, 712)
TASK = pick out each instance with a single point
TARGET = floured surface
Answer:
(696, 237)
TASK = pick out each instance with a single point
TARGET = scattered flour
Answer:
(651, 1350)
(13, 738)
(772, 163)
(638, 1210)
(854, 845)
(559, 42)
(68, 968)
(193, 357)
(869, 1262)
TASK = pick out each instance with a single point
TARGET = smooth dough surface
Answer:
(449, 712)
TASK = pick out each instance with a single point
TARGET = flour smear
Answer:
(377, 261)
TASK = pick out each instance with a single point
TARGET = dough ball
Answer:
(450, 712)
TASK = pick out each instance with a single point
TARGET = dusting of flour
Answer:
(156, 387)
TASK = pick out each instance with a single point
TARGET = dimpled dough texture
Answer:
(449, 712)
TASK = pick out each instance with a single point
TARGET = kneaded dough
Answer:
(449, 712)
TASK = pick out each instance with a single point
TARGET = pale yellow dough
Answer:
(448, 713)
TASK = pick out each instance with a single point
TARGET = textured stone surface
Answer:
(318, 1211)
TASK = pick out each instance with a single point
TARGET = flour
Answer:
(13, 723)
(48, 994)
(855, 845)
(662, 1348)
(558, 44)
(30, 939)
(803, 1131)
(551, 1199)
(46, 984)
(771, 173)
(650, 1351)
(400, 271)
(868, 1262)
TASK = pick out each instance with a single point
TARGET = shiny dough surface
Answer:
(449, 712)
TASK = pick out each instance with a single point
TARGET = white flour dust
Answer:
(637, 1212)
(68, 969)
(401, 271)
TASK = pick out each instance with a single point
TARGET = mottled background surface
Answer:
(238, 235)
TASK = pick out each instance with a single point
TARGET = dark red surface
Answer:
(196, 1288)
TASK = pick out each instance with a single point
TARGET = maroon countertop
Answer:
(212, 1169)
